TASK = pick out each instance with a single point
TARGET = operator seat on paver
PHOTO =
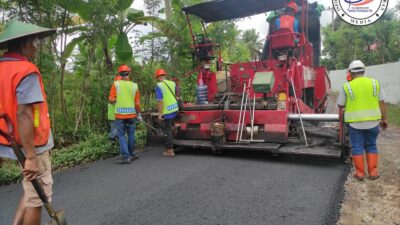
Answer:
(282, 40)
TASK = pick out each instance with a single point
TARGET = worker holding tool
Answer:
(166, 95)
(23, 100)
(365, 109)
(287, 20)
(125, 96)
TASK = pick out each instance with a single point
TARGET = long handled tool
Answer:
(150, 126)
(57, 217)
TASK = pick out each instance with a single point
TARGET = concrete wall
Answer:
(387, 74)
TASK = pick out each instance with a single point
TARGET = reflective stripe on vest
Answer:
(125, 102)
(362, 103)
(373, 114)
(36, 116)
(170, 105)
(12, 72)
(350, 91)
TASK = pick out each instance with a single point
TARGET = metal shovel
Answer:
(57, 217)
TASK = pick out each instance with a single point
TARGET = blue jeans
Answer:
(364, 139)
(126, 148)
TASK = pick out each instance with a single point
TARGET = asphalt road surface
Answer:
(195, 188)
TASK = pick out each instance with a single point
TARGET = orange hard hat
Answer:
(124, 68)
(292, 5)
(160, 72)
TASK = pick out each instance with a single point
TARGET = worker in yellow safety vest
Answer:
(365, 109)
(166, 95)
(113, 134)
(125, 96)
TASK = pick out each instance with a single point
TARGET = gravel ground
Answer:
(376, 202)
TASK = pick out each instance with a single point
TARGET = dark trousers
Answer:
(169, 142)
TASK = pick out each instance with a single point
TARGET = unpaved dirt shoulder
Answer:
(376, 202)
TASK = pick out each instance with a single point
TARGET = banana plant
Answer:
(107, 19)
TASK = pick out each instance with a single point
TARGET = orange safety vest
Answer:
(287, 21)
(11, 74)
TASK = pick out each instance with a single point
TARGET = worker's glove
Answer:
(139, 117)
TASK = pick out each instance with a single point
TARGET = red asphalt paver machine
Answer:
(276, 103)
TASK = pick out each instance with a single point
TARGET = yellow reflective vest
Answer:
(126, 92)
(170, 104)
(362, 100)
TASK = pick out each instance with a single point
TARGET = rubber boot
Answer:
(372, 161)
(358, 161)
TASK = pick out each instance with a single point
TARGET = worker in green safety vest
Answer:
(113, 134)
(125, 97)
(166, 95)
(365, 109)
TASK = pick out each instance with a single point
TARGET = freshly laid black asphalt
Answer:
(195, 188)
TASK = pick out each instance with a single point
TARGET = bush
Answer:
(95, 147)
(9, 172)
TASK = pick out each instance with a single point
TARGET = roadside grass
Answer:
(95, 147)
(394, 114)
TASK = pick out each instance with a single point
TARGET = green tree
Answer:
(374, 44)
(250, 40)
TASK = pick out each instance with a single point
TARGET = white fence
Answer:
(387, 74)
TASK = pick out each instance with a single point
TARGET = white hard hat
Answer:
(357, 66)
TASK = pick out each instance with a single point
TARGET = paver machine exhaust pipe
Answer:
(57, 217)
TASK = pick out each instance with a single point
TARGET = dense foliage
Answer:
(94, 37)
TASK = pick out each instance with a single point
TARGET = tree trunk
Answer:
(168, 9)
(63, 65)
(84, 88)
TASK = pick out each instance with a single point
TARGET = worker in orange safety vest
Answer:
(288, 20)
(23, 99)
(125, 97)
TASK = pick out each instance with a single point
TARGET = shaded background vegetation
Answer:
(94, 37)
(375, 44)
